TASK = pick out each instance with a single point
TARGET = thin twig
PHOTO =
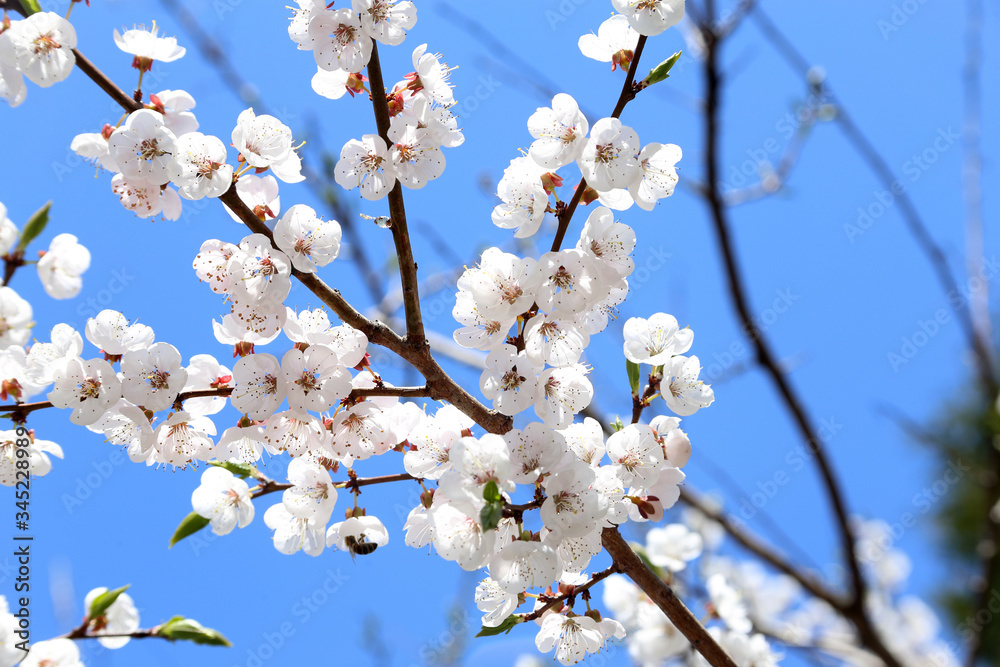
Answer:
(628, 93)
(577, 590)
(911, 217)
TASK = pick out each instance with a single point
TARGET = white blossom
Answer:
(61, 267)
(224, 499)
(41, 48)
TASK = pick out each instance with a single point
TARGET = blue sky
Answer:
(836, 303)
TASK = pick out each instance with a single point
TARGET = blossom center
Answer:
(511, 379)
(149, 149)
(510, 292)
(90, 388)
(562, 279)
(344, 34)
(157, 379)
(308, 381)
(303, 246)
(606, 154)
(44, 44)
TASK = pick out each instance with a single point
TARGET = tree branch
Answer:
(764, 551)
(765, 356)
(397, 212)
(664, 597)
(627, 95)
(600, 576)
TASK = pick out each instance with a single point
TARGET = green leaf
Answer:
(191, 524)
(35, 225)
(491, 493)
(31, 7)
(490, 515)
(634, 373)
(188, 629)
(661, 71)
(505, 627)
(617, 424)
(103, 601)
(241, 470)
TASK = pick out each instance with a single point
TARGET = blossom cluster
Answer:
(158, 146)
(421, 123)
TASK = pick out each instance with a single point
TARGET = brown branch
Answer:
(664, 597)
(25, 408)
(360, 393)
(355, 482)
(628, 94)
(640, 403)
(81, 633)
(268, 486)
(11, 263)
(401, 392)
(397, 212)
(856, 610)
(765, 552)
(576, 590)
(123, 99)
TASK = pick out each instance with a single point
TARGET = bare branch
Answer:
(911, 217)
(756, 546)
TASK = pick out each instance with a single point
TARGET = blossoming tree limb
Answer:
(533, 318)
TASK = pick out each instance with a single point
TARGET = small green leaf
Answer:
(103, 601)
(191, 524)
(31, 7)
(661, 71)
(490, 515)
(241, 470)
(188, 629)
(634, 373)
(505, 627)
(491, 493)
(617, 424)
(35, 226)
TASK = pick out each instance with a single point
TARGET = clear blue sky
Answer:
(851, 301)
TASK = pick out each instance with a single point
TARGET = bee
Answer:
(359, 546)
